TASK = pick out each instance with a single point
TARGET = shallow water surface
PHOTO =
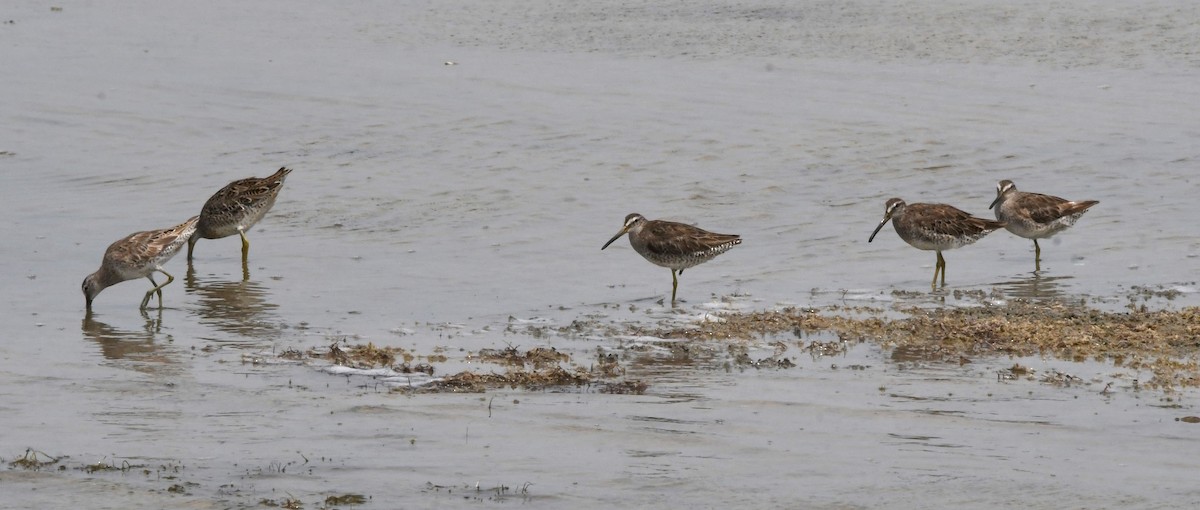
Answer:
(447, 209)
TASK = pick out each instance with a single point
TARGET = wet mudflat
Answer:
(875, 425)
(427, 319)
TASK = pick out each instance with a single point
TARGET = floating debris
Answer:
(345, 499)
(537, 357)
(365, 356)
(289, 503)
(1064, 379)
(100, 466)
(624, 388)
(30, 461)
(471, 382)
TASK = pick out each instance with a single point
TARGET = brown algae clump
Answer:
(536, 369)
(364, 356)
(1165, 342)
(32, 460)
(536, 357)
(471, 382)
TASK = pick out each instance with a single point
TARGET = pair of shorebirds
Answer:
(937, 227)
(232, 210)
(942, 227)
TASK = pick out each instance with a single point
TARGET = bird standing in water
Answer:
(136, 255)
(672, 245)
(236, 208)
(935, 227)
(1034, 215)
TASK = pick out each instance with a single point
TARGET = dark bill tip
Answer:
(881, 224)
(614, 238)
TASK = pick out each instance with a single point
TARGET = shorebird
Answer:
(1034, 215)
(236, 208)
(136, 255)
(672, 245)
(935, 227)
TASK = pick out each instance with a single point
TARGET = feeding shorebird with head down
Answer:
(138, 255)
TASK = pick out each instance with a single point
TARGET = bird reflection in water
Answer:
(236, 307)
(145, 344)
(1034, 286)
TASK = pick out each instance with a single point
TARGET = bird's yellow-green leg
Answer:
(157, 288)
(937, 266)
(940, 267)
(191, 246)
(942, 262)
(146, 300)
(245, 246)
(1037, 256)
(151, 292)
(674, 286)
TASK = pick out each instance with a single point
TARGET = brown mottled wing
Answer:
(244, 193)
(1046, 208)
(140, 248)
(671, 238)
(952, 221)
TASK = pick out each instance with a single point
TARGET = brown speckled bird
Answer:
(137, 255)
(1034, 215)
(934, 227)
(236, 208)
(672, 245)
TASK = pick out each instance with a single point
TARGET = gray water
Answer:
(434, 206)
